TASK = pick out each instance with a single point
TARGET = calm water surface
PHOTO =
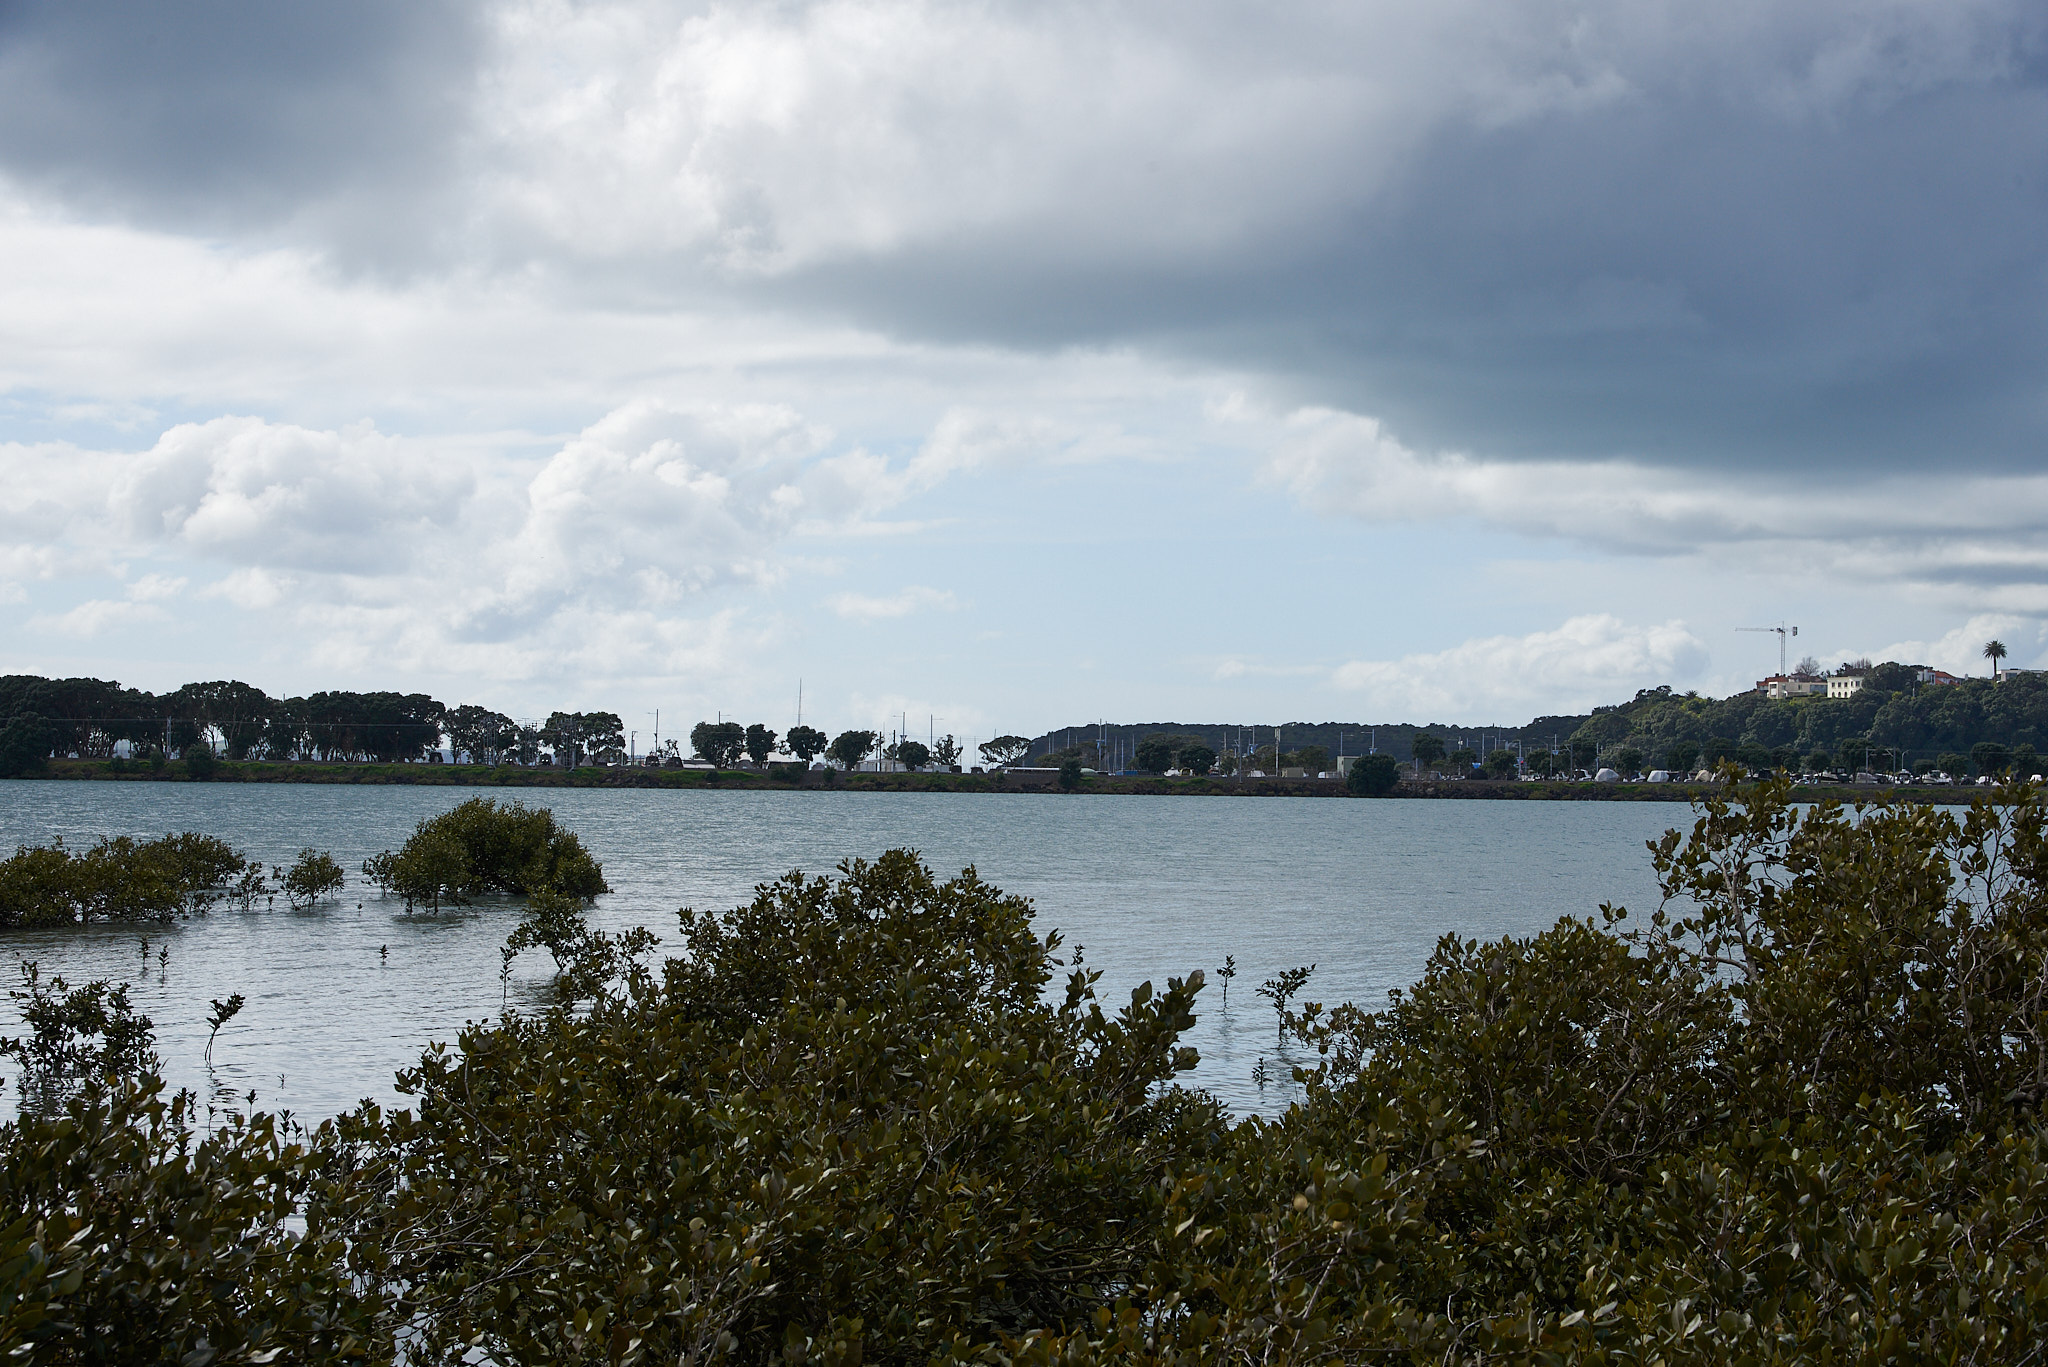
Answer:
(1152, 887)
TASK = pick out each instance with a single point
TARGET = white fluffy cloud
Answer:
(246, 491)
(601, 556)
(1982, 539)
(1585, 662)
(656, 504)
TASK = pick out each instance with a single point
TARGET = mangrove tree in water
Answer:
(124, 879)
(483, 847)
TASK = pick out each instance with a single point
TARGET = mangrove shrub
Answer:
(482, 847)
(123, 879)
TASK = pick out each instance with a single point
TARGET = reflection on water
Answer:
(341, 996)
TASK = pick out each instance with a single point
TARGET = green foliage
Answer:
(912, 755)
(312, 876)
(850, 748)
(585, 960)
(1501, 764)
(200, 762)
(77, 1037)
(577, 736)
(845, 1124)
(484, 736)
(219, 1014)
(1892, 712)
(946, 752)
(431, 868)
(719, 743)
(1372, 775)
(1428, 749)
(130, 1239)
(1005, 750)
(234, 710)
(1281, 987)
(120, 880)
(806, 742)
(482, 847)
(1163, 750)
(25, 742)
(1154, 754)
(760, 743)
(1070, 774)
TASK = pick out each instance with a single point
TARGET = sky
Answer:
(1002, 366)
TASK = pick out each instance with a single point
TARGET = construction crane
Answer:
(1783, 635)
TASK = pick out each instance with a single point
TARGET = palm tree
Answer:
(1994, 651)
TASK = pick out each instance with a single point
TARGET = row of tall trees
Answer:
(724, 744)
(42, 717)
(91, 716)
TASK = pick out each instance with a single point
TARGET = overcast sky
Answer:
(1020, 364)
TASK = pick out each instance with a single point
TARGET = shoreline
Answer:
(788, 778)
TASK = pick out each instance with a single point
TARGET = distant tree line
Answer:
(90, 717)
(725, 744)
(1976, 727)
(41, 718)
(1979, 726)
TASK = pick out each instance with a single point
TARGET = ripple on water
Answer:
(1152, 887)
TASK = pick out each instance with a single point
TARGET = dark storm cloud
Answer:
(226, 113)
(1671, 279)
(1748, 233)
(1667, 280)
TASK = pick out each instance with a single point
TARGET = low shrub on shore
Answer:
(1795, 1114)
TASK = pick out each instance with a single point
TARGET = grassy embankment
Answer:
(789, 777)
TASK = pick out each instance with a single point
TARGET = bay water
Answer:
(341, 996)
